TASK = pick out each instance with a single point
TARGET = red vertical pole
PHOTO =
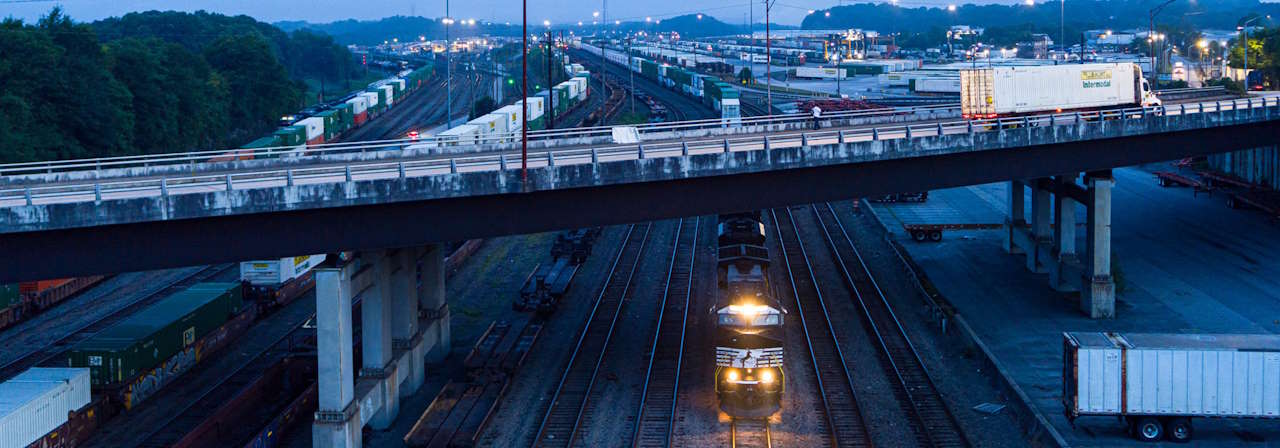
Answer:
(524, 91)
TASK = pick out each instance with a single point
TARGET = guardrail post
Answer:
(804, 139)
(940, 129)
(288, 178)
(400, 169)
(1079, 117)
(27, 193)
(453, 166)
(1053, 120)
(1026, 122)
(551, 159)
(908, 133)
(840, 137)
(502, 162)
(640, 151)
(228, 182)
(1182, 109)
(595, 156)
(1249, 104)
(969, 126)
(684, 149)
(346, 171)
(875, 133)
(726, 145)
(97, 192)
(1201, 111)
(766, 143)
(164, 187)
(999, 123)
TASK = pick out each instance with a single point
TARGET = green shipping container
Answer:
(292, 135)
(142, 341)
(9, 295)
(346, 114)
(649, 69)
(382, 97)
(679, 76)
(537, 124)
(332, 124)
(562, 98)
(264, 142)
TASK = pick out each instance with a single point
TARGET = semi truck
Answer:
(1007, 91)
(1156, 383)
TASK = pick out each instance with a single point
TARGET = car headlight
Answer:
(766, 377)
(732, 376)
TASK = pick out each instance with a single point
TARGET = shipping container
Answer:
(9, 295)
(820, 72)
(560, 98)
(1158, 382)
(490, 127)
(315, 129)
(332, 124)
(936, 85)
(388, 94)
(292, 135)
(38, 401)
(359, 107)
(996, 91)
(581, 88)
(537, 107)
(134, 345)
(461, 135)
(377, 99)
(513, 115)
(275, 272)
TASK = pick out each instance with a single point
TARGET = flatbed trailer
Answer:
(1267, 201)
(1169, 179)
(933, 232)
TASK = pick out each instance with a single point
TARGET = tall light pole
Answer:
(1062, 25)
(1245, 28)
(524, 91)
(839, 72)
(448, 67)
(631, 74)
(1151, 38)
(603, 44)
(768, 57)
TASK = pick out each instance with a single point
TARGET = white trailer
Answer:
(999, 91)
(512, 115)
(490, 127)
(821, 72)
(271, 279)
(466, 134)
(536, 107)
(937, 85)
(1158, 382)
(38, 401)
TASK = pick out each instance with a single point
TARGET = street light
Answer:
(839, 71)
(1245, 28)
(1151, 34)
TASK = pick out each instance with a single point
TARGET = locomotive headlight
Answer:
(766, 377)
(732, 376)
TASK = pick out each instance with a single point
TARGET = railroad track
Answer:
(198, 408)
(561, 420)
(933, 421)
(750, 433)
(658, 398)
(835, 385)
(41, 355)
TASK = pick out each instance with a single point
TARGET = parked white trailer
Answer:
(275, 272)
(536, 107)
(1158, 382)
(937, 85)
(466, 134)
(996, 91)
(490, 127)
(821, 72)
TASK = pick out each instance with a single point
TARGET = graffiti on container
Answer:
(147, 384)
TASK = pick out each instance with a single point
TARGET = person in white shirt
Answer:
(817, 114)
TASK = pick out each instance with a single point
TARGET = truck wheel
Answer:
(1148, 429)
(935, 235)
(919, 236)
(1179, 429)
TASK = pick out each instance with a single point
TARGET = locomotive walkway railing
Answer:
(444, 164)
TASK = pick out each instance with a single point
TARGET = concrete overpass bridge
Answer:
(392, 202)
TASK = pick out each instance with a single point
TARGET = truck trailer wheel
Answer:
(919, 236)
(1179, 429)
(935, 235)
(1148, 429)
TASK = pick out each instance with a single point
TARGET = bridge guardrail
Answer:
(368, 170)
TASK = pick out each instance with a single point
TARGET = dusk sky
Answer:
(560, 11)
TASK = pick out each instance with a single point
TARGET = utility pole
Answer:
(632, 75)
(1062, 26)
(448, 67)
(524, 91)
(768, 58)
(551, 93)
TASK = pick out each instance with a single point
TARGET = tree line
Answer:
(150, 83)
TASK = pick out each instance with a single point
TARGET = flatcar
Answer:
(749, 378)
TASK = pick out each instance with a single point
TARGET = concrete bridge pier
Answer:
(1050, 241)
(397, 337)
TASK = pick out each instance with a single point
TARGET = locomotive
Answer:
(749, 333)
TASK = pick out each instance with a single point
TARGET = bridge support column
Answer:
(1041, 236)
(435, 310)
(337, 420)
(1017, 216)
(405, 334)
(1066, 267)
(1098, 289)
(378, 373)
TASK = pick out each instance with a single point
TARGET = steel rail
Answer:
(560, 422)
(843, 414)
(757, 434)
(656, 420)
(932, 418)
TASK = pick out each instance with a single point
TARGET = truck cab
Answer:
(1148, 97)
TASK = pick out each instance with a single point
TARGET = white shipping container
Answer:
(1171, 375)
(466, 134)
(988, 92)
(388, 92)
(938, 85)
(278, 271)
(512, 115)
(315, 126)
(490, 125)
(398, 82)
(537, 107)
(582, 87)
(571, 87)
(38, 401)
(359, 104)
(370, 97)
(821, 72)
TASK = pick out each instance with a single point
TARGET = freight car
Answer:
(749, 379)
(546, 286)
(1157, 383)
(131, 360)
(39, 401)
(23, 300)
(270, 282)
